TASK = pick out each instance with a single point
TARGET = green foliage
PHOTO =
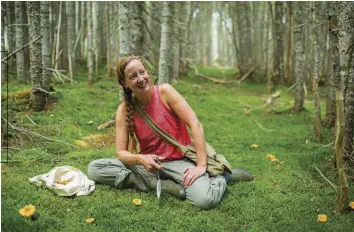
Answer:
(285, 196)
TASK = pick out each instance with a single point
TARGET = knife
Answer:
(158, 185)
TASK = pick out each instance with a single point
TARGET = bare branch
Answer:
(20, 49)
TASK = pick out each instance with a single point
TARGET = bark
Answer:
(107, 32)
(342, 199)
(136, 20)
(279, 42)
(124, 32)
(90, 55)
(3, 50)
(57, 43)
(300, 57)
(288, 74)
(10, 19)
(334, 78)
(20, 57)
(70, 12)
(95, 44)
(46, 45)
(176, 35)
(346, 46)
(316, 97)
(38, 96)
(83, 28)
(165, 62)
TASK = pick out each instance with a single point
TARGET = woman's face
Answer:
(136, 77)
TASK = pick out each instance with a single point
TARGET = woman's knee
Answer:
(205, 201)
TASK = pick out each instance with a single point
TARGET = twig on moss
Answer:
(326, 179)
(31, 120)
(262, 126)
(37, 134)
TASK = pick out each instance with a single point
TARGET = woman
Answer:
(157, 158)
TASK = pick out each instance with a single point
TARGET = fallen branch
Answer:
(324, 146)
(326, 179)
(37, 134)
(245, 76)
(263, 127)
(31, 120)
(268, 101)
(225, 82)
(20, 49)
(291, 87)
(106, 124)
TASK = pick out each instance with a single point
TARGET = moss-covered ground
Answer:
(285, 196)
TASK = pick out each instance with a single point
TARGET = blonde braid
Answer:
(133, 143)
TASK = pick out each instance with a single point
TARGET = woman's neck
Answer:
(144, 98)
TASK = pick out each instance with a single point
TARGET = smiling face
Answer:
(136, 78)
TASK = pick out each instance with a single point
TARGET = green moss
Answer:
(283, 197)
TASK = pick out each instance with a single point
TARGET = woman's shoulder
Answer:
(165, 88)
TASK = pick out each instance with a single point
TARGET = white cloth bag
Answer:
(65, 181)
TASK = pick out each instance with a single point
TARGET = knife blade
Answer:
(158, 184)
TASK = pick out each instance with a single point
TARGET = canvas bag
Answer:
(217, 163)
(65, 181)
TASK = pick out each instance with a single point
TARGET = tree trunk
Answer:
(346, 47)
(279, 42)
(334, 78)
(20, 57)
(83, 28)
(3, 50)
(316, 97)
(176, 35)
(165, 62)
(46, 45)
(70, 12)
(96, 46)
(10, 19)
(300, 57)
(90, 56)
(107, 32)
(57, 43)
(136, 20)
(288, 73)
(38, 96)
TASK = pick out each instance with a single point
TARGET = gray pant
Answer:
(205, 192)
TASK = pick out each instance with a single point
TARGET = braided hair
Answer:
(133, 143)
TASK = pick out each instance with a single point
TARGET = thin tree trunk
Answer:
(342, 198)
(46, 46)
(288, 76)
(279, 42)
(3, 50)
(10, 18)
(58, 36)
(176, 48)
(136, 20)
(300, 57)
(94, 33)
(20, 57)
(108, 44)
(90, 55)
(83, 28)
(316, 97)
(346, 48)
(165, 62)
(35, 56)
(334, 78)
(70, 12)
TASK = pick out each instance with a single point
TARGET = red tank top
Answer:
(150, 142)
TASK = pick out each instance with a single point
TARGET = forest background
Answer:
(275, 74)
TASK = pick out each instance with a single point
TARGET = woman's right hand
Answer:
(151, 162)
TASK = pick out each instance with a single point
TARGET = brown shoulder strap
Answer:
(163, 134)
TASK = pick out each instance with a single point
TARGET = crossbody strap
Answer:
(163, 134)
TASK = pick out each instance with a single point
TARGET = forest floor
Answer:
(287, 195)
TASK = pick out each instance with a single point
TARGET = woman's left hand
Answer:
(191, 174)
